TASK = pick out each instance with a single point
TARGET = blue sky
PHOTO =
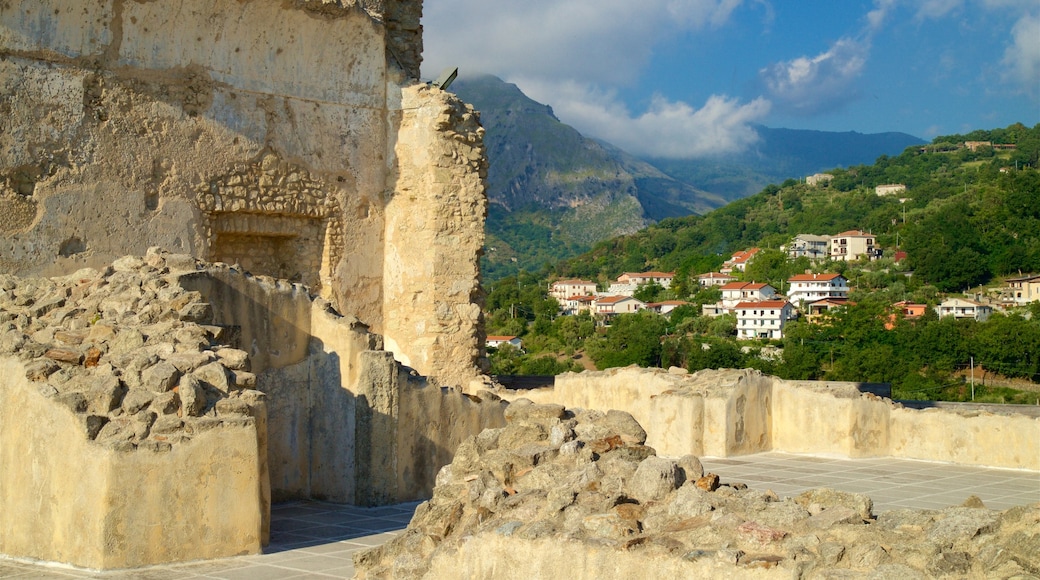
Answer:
(686, 78)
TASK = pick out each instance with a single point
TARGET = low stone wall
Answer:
(735, 412)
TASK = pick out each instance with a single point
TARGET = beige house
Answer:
(1023, 290)
(563, 289)
(765, 319)
(849, 246)
(610, 306)
(662, 278)
(964, 308)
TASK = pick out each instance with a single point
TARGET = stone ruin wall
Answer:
(723, 413)
(150, 411)
(286, 137)
(579, 493)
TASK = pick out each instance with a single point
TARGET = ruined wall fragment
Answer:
(431, 292)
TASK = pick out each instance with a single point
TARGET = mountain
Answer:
(781, 154)
(553, 192)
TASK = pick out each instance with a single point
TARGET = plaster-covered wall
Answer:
(735, 412)
(289, 137)
(66, 499)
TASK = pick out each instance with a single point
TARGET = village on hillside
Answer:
(763, 311)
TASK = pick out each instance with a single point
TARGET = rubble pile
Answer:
(578, 492)
(130, 351)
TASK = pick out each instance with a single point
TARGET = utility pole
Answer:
(972, 378)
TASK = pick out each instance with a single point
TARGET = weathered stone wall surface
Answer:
(431, 293)
(191, 125)
(735, 412)
(275, 135)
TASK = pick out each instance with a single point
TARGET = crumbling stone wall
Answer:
(194, 381)
(131, 432)
(439, 166)
(579, 494)
(275, 135)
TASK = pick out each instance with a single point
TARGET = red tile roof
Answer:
(762, 304)
(814, 277)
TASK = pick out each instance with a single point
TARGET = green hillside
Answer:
(967, 218)
(964, 220)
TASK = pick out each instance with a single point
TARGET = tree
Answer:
(649, 292)
(630, 339)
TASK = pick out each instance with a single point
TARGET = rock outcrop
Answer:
(578, 494)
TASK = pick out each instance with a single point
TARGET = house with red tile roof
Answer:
(739, 261)
(610, 306)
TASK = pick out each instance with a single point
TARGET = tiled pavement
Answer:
(891, 483)
(318, 540)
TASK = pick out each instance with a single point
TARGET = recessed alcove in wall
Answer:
(287, 247)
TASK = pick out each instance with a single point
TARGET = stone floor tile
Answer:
(258, 572)
(318, 563)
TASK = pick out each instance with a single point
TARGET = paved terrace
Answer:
(318, 540)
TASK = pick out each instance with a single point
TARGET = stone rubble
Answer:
(584, 482)
(128, 350)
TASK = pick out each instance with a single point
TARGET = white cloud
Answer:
(937, 8)
(1022, 57)
(569, 53)
(666, 129)
(807, 85)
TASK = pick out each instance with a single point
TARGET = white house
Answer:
(736, 292)
(576, 304)
(819, 179)
(810, 246)
(850, 245)
(764, 319)
(620, 289)
(613, 305)
(964, 308)
(806, 288)
(714, 279)
(497, 341)
(563, 289)
(663, 279)
(889, 189)
(667, 306)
